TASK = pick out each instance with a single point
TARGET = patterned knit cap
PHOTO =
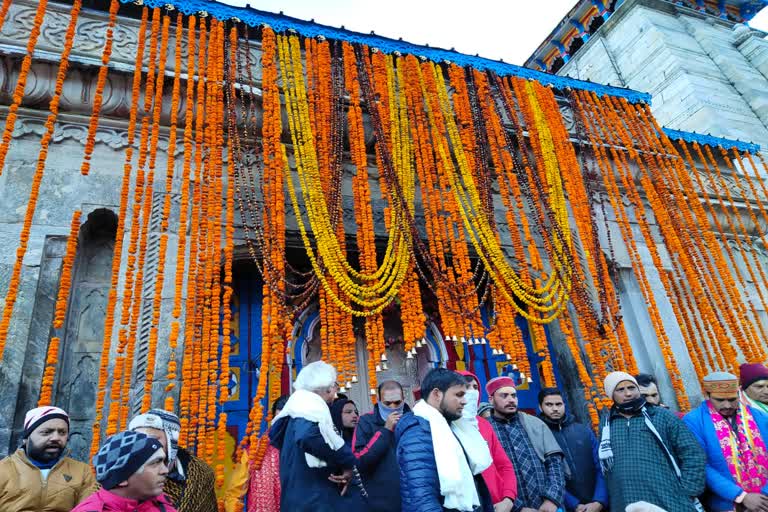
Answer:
(123, 455)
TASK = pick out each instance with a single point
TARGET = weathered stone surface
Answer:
(13, 356)
(710, 79)
(40, 330)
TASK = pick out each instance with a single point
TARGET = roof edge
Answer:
(282, 23)
(711, 140)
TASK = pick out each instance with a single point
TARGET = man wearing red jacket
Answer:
(500, 476)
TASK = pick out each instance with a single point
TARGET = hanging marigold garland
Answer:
(101, 81)
(143, 209)
(37, 177)
(21, 83)
(4, 12)
(181, 247)
(117, 257)
(157, 299)
(188, 402)
(60, 311)
(275, 173)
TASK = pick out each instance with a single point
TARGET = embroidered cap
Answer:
(497, 383)
(721, 385)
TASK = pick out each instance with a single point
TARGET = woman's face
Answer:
(349, 415)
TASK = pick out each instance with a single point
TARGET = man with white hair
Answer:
(316, 466)
(647, 454)
(39, 475)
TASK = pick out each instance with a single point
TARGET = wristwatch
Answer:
(740, 498)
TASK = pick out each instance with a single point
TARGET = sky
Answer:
(495, 29)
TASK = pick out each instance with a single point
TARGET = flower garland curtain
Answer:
(492, 208)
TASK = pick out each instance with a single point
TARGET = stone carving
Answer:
(90, 36)
(81, 391)
(115, 138)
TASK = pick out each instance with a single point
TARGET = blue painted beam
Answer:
(710, 140)
(280, 23)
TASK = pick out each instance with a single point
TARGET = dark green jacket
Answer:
(641, 468)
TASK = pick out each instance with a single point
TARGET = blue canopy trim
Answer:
(710, 140)
(281, 23)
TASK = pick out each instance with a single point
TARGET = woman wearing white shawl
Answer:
(311, 452)
(441, 454)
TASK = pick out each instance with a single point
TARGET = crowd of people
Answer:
(449, 452)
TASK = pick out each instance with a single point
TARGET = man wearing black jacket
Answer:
(585, 489)
(374, 446)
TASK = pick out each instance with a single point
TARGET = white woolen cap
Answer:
(614, 379)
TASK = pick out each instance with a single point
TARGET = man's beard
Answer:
(449, 416)
(39, 453)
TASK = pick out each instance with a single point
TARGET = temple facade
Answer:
(98, 196)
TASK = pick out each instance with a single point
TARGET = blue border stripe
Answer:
(710, 140)
(281, 23)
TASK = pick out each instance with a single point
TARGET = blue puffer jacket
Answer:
(304, 488)
(419, 483)
(722, 488)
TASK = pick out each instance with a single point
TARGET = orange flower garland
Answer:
(229, 227)
(13, 287)
(4, 11)
(18, 93)
(591, 108)
(366, 243)
(184, 211)
(144, 205)
(109, 322)
(716, 271)
(101, 81)
(146, 403)
(65, 285)
(188, 403)
(275, 172)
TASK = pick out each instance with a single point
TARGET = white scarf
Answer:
(455, 469)
(309, 406)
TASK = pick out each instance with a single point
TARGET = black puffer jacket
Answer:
(374, 446)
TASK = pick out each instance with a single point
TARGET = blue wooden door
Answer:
(245, 358)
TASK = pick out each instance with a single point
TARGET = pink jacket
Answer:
(105, 501)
